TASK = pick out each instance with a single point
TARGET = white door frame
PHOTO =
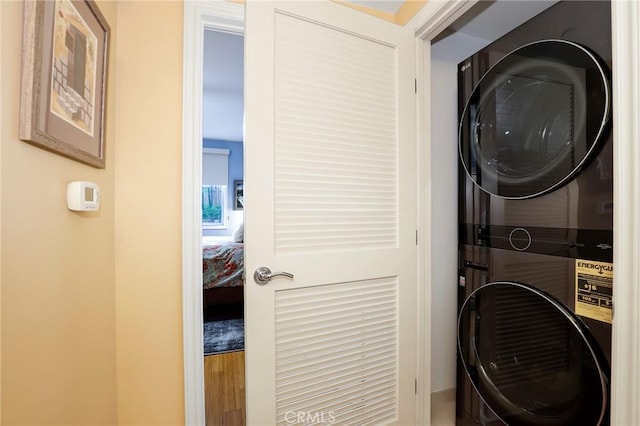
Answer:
(198, 16)
(433, 18)
(429, 22)
(626, 200)
(625, 371)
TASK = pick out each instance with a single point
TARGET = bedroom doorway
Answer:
(222, 227)
(226, 376)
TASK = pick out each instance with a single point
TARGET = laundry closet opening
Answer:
(481, 25)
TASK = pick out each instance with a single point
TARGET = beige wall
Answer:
(148, 215)
(58, 279)
(1, 138)
(77, 286)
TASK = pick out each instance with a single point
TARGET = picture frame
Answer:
(64, 78)
(238, 195)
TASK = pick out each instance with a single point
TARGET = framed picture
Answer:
(238, 195)
(64, 78)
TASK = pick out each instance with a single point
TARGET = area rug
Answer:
(223, 336)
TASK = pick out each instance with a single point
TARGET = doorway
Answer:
(221, 222)
(376, 284)
(223, 227)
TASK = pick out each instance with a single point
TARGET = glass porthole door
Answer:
(530, 359)
(534, 119)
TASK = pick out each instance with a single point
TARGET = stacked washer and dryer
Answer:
(536, 223)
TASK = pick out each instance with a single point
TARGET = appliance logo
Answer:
(465, 67)
(598, 267)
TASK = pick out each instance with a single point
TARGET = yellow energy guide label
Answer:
(594, 285)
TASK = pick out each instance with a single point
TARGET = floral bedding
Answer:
(223, 265)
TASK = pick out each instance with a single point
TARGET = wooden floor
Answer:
(224, 389)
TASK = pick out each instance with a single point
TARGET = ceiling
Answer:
(223, 55)
(390, 6)
(490, 20)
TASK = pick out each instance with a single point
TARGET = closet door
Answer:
(330, 187)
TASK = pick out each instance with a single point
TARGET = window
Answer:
(215, 176)
(213, 205)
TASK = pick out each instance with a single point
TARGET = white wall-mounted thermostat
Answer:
(83, 196)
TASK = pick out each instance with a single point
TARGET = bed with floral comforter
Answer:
(223, 265)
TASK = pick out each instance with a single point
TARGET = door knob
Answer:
(263, 275)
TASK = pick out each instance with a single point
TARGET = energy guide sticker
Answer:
(594, 285)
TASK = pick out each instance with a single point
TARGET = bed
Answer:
(222, 273)
(223, 265)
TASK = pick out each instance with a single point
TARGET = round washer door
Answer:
(534, 119)
(531, 359)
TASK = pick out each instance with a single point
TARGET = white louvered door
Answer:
(330, 189)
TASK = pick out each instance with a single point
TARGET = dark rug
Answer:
(223, 336)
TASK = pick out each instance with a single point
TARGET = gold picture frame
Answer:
(64, 78)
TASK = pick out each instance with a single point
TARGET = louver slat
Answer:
(337, 358)
(336, 146)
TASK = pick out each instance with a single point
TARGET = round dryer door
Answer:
(531, 359)
(534, 119)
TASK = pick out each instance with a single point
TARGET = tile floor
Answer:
(443, 408)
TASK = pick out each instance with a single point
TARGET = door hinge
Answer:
(416, 237)
(415, 86)
(416, 386)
